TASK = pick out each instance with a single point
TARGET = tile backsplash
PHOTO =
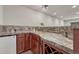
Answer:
(9, 28)
(65, 31)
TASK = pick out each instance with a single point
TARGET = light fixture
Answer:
(74, 6)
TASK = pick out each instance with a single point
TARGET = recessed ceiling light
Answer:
(74, 6)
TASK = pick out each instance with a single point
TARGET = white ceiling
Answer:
(61, 11)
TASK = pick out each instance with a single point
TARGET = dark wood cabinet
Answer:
(20, 43)
(76, 40)
(41, 46)
(27, 42)
(35, 43)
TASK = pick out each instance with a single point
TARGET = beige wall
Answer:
(1, 14)
(19, 15)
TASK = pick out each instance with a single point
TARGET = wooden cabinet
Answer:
(76, 40)
(22, 42)
(41, 46)
(35, 43)
(27, 42)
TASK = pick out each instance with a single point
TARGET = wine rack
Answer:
(52, 50)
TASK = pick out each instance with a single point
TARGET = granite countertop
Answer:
(59, 39)
(53, 37)
(3, 34)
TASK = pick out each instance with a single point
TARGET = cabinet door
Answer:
(76, 40)
(27, 41)
(41, 46)
(35, 43)
(20, 43)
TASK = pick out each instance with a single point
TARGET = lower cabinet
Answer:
(41, 46)
(22, 42)
(27, 42)
(35, 43)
